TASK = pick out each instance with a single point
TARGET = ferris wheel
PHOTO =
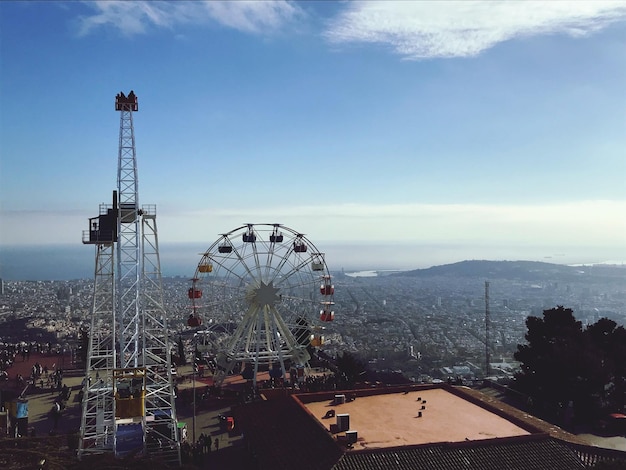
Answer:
(263, 292)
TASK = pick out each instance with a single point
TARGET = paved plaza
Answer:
(228, 452)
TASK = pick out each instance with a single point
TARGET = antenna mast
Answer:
(487, 323)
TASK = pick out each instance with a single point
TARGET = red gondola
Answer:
(194, 293)
(194, 321)
(327, 315)
(327, 288)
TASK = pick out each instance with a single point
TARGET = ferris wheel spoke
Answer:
(297, 283)
(242, 333)
(270, 256)
(273, 252)
(239, 254)
(283, 261)
(281, 356)
(294, 269)
(230, 273)
(248, 251)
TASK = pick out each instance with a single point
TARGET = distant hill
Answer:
(518, 270)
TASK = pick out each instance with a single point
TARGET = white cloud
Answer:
(138, 16)
(428, 29)
(252, 16)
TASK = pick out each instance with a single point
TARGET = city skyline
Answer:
(431, 131)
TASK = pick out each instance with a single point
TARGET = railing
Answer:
(591, 455)
(149, 209)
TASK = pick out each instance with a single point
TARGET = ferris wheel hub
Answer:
(265, 295)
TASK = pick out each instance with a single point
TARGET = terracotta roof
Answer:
(415, 417)
(538, 451)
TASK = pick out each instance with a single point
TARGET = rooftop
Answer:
(459, 428)
(415, 417)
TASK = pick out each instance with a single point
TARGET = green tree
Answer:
(564, 364)
(604, 365)
(550, 360)
(350, 369)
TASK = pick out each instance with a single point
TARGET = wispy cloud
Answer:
(590, 222)
(253, 16)
(138, 17)
(431, 29)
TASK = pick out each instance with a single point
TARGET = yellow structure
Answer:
(130, 392)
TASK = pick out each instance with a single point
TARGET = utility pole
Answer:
(487, 322)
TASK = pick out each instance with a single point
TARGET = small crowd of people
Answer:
(12, 353)
(196, 452)
(60, 403)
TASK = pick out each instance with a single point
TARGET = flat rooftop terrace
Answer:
(392, 419)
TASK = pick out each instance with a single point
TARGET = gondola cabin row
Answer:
(327, 314)
(194, 321)
(317, 340)
(318, 262)
(205, 268)
(194, 293)
(299, 246)
(327, 287)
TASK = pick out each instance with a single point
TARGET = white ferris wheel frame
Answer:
(264, 287)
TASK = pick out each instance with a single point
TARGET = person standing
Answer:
(56, 415)
(207, 444)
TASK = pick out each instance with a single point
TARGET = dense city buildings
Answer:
(425, 325)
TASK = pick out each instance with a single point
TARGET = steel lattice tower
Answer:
(128, 395)
(487, 327)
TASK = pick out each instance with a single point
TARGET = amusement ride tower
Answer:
(128, 395)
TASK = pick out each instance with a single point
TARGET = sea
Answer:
(77, 261)
(67, 262)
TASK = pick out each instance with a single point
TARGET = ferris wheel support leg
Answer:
(280, 352)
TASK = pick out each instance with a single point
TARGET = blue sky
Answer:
(456, 130)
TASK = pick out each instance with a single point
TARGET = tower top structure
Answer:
(126, 103)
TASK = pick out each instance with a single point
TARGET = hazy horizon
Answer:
(66, 262)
